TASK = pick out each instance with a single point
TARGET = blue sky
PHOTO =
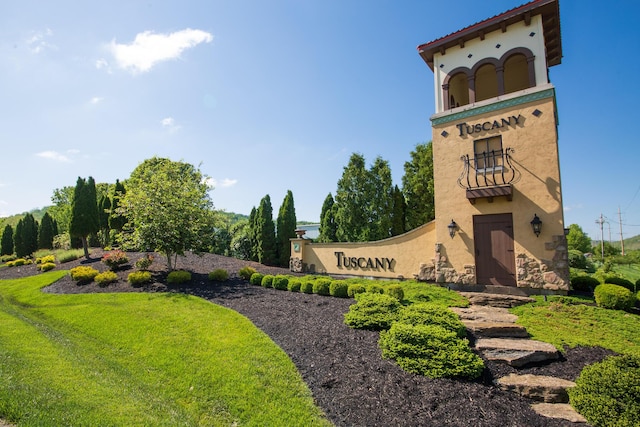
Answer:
(267, 96)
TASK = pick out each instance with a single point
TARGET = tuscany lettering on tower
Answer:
(511, 121)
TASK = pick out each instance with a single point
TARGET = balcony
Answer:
(488, 174)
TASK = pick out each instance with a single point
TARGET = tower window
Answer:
(488, 155)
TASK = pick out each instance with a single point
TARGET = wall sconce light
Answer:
(536, 224)
(453, 227)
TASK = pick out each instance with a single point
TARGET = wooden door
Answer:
(495, 259)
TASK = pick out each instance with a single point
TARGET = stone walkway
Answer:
(499, 338)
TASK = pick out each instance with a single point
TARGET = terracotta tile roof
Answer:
(549, 9)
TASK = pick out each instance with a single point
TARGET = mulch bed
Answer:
(343, 367)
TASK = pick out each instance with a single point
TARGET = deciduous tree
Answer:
(351, 210)
(398, 216)
(417, 186)
(380, 200)
(578, 239)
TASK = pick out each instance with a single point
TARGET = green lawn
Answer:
(577, 324)
(140, 360)
(630, 272)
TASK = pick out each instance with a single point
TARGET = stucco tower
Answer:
(495, 152)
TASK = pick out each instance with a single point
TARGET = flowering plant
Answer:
(115, 259)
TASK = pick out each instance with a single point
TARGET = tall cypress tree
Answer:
(19, 245)
(266, 233)
(286, 229)
(46, 232)
(380, 200)
(84, 212)
(29, 234)
(398, 215)
(352, 203)
(104, 210)
(327, 221)
(253, 230)
(6, 245)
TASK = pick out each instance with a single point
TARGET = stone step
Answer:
(537, 387)
(485, 313)
(496, 300)
(562, 411)
(516, 352)
(487, 329)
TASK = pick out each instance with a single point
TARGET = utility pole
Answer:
(601, 222)
(620, 222)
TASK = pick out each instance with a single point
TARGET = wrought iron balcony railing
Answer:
(488, 174)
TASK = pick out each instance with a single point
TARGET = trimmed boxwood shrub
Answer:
(608, 393)
(339, 288)
(46, 259)
(83, 274)
(321, 287)
(620, 281)
(374, 288)
(614, 297)
(280, 282)
(294, 285)
(178, 277)
(47, 266)
(431, 314)
(103, 279)
(267, 281)
(256, 279)
(306, 287)
(354, 289)
(17, 262)
(395, 291)
(219, 275)
(584, 283)
(373, 311)
(139, 278)
(430, 350)
(246, 272)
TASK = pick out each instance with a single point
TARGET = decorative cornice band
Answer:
(548, 93)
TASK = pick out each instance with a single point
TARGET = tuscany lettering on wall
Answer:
(509, 122)
(363, 263)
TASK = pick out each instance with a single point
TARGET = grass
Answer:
(140, 360)
(570, 322)
(629, 272)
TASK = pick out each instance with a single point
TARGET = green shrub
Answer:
(246, 272)
(430, 350)
(620, 281)
(395, 291)
(178, 277)
(354, 289)
(103, 279)
(219, 275)
(115, 259)
(614, 297)
(294, 285)
(256, 279)
(10, 263)
(375, 288)
(47, 266)
(145, 262)
(46, 259)
(83, 274)
(608, 393)
(584, 283)
(267, 281)
(280, 282)
(431, 314)
(306, 287)
(7, 258)
(373, 311)
(321, 287)
(421, 297)
(139, 278)
(638, 285)
(339, 288)
(18, 262)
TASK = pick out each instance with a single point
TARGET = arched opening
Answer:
(458, 90)
(486, 82)
(516, 73)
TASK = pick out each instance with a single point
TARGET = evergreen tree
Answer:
(46, 232)
(104, 211)
(327, 231)
(351, 202)
(116, 219)
(286, 229)
(266, 233)
(252, 234)
(19, 245)
(84, 212)
(398, 216)
(380, 200)
(417, 186)
(6, 245)
(29, 234)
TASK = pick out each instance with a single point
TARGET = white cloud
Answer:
(170, 124)
(54, 155)
(96, 100)
(225, 183)
(73, 151)
(148, 48)
(37, 42)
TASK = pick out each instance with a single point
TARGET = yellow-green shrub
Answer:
(219, 275)
(103, 279)
(179, 276)
(47, 266)
(45, 259)
(139, 278)
(246, 272)
(83, 274)
(614, 297)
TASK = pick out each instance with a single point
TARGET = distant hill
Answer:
(630, 244)
(13, 219)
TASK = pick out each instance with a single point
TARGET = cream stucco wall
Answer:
(408, 251)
